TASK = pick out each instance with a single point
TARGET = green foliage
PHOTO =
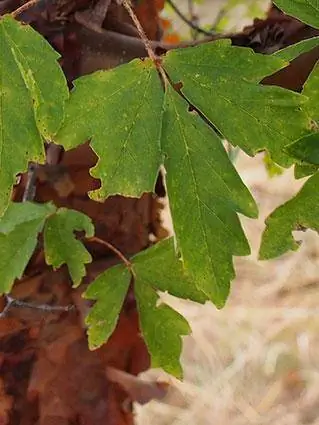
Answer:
(136, 121)
(61, 245)
(32, 104)
(222, 82)
(19, 229)
(109, 290)
(195, 154)
(162, 328)
(305, 10)
(160, 264)
(301, 212)
(125, 130)
(154, 269)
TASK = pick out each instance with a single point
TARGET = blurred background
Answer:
(257, 360)
(216, 15)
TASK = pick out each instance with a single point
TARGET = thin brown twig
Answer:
(141, 32)
(116, 251)
(13, 302)
(23, 8)
(148, 45)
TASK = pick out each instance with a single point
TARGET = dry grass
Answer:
(257, 360)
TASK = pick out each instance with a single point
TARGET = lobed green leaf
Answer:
(19, 229)
(123, 117)
(300, 212)
(162, 328)
(61, 245)
(210, 199)
(32, 95)
(108, 290)
(247, 114)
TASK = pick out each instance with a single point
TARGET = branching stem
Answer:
(116, 251)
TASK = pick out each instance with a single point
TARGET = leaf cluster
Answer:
(139, 117)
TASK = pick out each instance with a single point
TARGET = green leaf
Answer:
(61, 245)
(292, 52)
(205, 215)
(22, 212)
(109, 290)
(300, 212)
(123, 116)
(305, 10)
(32, 95)
(162, 328)
(19, 229)
(306, 149)
(37, 64)
(161, 268)
(247, 114)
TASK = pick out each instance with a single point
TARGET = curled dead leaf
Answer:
(138, 390)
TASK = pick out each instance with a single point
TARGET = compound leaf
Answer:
(247, 114)
(213, 194)
(61, 245)
(305, 10)
(19, 228)
(123, 117)
(157, 268)
(108, 290)
(300, 212)
(30, 104)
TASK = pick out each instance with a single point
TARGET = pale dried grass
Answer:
(257, 360)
